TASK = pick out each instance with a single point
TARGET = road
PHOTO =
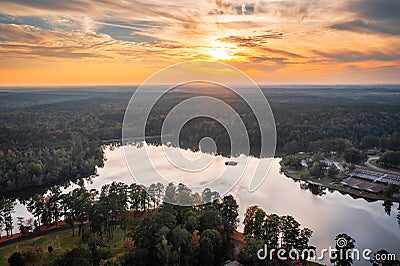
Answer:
(339, 166)
(367, 163)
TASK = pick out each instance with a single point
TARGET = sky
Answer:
(85, 42)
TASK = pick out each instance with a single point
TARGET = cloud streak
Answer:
(251, 41)
(356, 56)
(267, 39)
(361, 26)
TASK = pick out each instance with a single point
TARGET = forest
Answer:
(47, 144)
(159, 233)
(48, 139)
(44, 142)
(155, 233)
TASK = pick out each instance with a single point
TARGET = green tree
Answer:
(259, 224)
(210, 247)
(302, 242)
(77, 256)
(68, 206)
(248, 253)
(134, 197)
(152, 190)
(272, 231)
(1, 221)
(98, 249)
(229, 211)
(183, 195)
(344, 245)
(353, 155)
(369, 141)
(54, 203)
(82, 204)
(387, 205)
(206, 251)
(21, 224)
(191, 221)
(154, 227)
(211, 218)
(390, 159)
(2, 218)
(170, 193)
(389, 190)
(181, 240)
(144, 198)
(291, 147)
(292, 162)
(159, 190)
(165, 253)
(290, 229)
(36, 207)
(16, 259)
(248, 221)
(317, 169)
(333, 171)
(209, 196)
(46, 216)
(7, 210)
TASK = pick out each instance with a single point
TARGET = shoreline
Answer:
(340, 189)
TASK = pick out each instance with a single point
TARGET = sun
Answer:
(220, 50)
(219, 53)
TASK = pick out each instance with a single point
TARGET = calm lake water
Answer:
(327, 215)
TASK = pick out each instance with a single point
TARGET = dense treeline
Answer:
(156, 233)
(390, 159)
(302, 125)
(28, 167)
(319, 126)
(177, 235)
(49, 143)
(271, 233)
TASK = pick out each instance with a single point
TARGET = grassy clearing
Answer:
(61, 242)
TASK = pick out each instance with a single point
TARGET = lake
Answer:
(327, 215)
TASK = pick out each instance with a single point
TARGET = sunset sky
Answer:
(59, 42)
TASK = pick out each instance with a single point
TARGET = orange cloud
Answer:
(123, 42)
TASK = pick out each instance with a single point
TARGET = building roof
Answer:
(376, 176)
(363, 185)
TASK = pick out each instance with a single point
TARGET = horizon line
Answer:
(137, 85)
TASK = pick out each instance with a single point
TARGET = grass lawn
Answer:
(60, 240)
(116, 242)
(325, 181)
(373, 162)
